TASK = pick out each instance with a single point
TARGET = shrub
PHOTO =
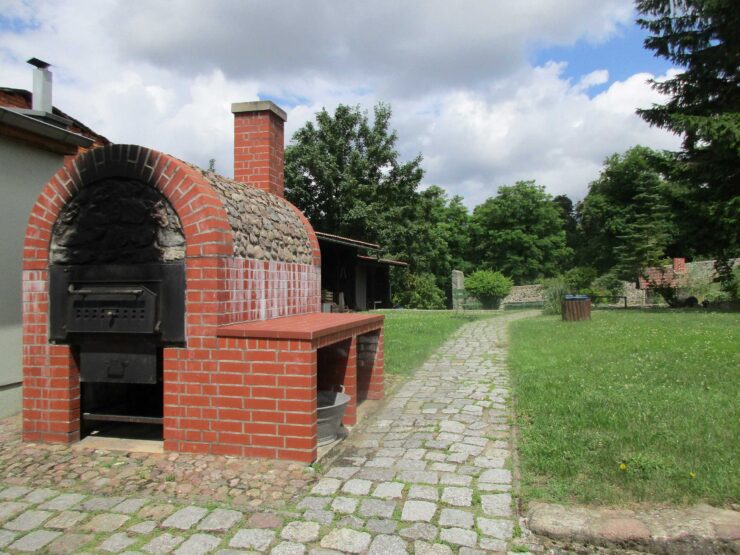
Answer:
(488, 287)
(579, 279)
(610, 284)
(419, 291)
(553, 291)
(729, 278)
(698, 283)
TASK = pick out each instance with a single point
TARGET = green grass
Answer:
(656, 392)
(410, 336)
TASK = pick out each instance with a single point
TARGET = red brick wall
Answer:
(257, 399)
(261, 290)
(679, 264)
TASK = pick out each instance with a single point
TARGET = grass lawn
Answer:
(410, 336)
(629, 407)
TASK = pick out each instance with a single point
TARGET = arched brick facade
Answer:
(193, 396)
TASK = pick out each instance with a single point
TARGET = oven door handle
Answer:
(106, 291)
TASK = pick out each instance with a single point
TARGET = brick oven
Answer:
(158, 293)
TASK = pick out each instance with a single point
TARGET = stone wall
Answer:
(265, 226)
(635, 296)
(524, 294)
(458, 289)
(534, 294)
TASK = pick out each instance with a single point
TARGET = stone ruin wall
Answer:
(534, 293)
(524, 294)
(635, 296)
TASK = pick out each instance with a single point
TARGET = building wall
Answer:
(24, 171)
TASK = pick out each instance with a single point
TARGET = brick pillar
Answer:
(350, 384)
(51, 396)
(259, 157)
(370, 365)
(679, 265)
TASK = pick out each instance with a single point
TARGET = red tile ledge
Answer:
(303, 326)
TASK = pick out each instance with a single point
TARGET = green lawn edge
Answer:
(630, 407)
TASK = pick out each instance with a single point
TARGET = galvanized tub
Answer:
(331, 407)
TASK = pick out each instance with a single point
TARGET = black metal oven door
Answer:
(119, 362)
(111, 309)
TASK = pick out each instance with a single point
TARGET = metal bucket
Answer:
(331, 407)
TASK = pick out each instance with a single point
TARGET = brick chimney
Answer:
(679, 265)
(259, 157)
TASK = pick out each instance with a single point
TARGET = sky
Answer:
(488, 91)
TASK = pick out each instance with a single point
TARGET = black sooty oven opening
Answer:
(117, 297)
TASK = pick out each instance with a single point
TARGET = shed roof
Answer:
(347, 241)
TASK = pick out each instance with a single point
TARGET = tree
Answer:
(573, 238)
(703, 37)
(519, 233)
(344, 172)
(627, 218)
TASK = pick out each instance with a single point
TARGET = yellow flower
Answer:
(622, 467)
(692, 474)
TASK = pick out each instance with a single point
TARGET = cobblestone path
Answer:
(428, 474)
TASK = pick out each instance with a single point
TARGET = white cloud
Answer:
(456, 74)
(593, 79)
(544, 129)
(398, 47)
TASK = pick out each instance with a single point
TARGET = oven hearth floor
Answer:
(120, 444)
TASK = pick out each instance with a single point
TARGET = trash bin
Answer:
(576, 307)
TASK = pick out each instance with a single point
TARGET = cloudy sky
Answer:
(489, 91)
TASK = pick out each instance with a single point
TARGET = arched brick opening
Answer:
(51, 397)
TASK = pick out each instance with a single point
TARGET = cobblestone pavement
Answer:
(246, 483)
(428, 474)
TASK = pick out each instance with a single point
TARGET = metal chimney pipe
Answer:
(41, 100)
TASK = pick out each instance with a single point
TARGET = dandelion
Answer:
(622, 467)
(692, 475)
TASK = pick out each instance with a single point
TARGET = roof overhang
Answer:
(40, 134)
(346, 241)
(381, 261)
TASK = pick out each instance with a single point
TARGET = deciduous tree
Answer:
(344, 172)
(519, 233)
